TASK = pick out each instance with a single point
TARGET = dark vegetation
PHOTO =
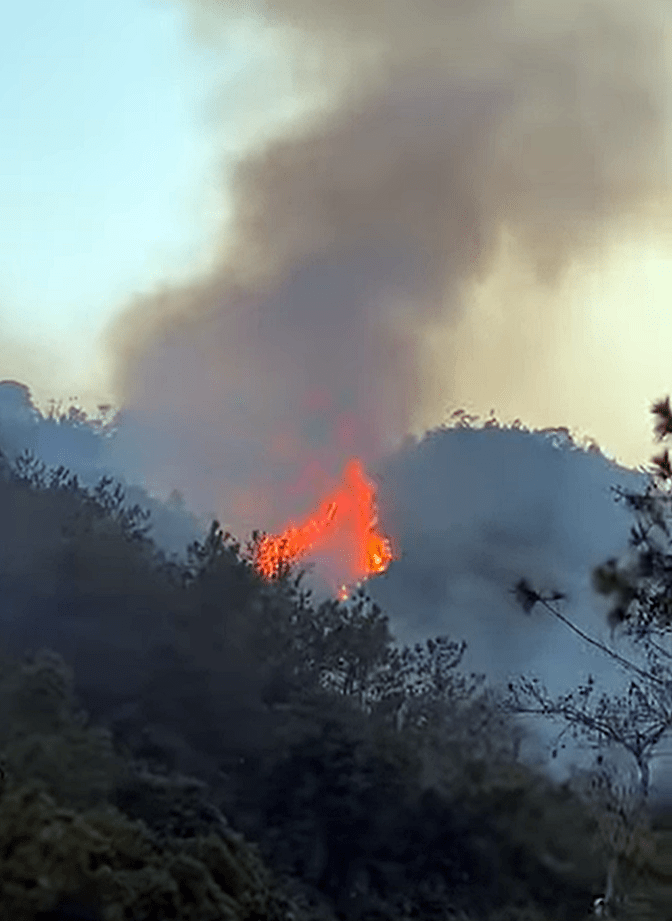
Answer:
(639, 871)
(243, 753)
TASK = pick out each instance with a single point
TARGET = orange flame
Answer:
(346, 522)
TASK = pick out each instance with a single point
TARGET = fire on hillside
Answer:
(343, 529)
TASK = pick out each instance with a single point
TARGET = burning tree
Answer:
(346, 523)
(637, 720)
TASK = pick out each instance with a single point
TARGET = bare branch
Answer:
(530, 597)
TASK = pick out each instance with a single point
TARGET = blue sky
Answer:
(98, 166)
(107, 170)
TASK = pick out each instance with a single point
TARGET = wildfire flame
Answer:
(345, 524)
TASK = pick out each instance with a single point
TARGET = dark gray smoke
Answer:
(361, 224)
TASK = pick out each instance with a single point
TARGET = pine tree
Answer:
(637, 720)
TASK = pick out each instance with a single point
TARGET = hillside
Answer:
(192, 741)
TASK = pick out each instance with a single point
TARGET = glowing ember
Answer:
(344, 527)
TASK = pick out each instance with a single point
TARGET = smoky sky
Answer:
(358, 226)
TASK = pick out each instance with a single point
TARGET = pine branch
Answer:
(528, 597)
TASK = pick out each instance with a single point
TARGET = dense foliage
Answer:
(374, 781)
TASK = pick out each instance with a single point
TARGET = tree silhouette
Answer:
(637, 720)
(643, 595)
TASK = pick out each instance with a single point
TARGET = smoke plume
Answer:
(441, 129)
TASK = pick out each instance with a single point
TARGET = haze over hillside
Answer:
(472, 510)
